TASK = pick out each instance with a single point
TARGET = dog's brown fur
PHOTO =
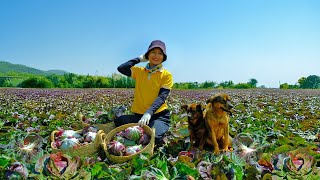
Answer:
(196, 125)
(216, 115)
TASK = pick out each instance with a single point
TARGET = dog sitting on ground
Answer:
(216, 116)
(196, 125)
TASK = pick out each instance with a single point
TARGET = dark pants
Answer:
(159, 121)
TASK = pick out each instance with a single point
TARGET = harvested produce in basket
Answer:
(69, 143)
(124, 141)
(69, 134)
(90, 136)
(90, 129)
(133, 133)
(128, 141)
(116, 148)
(133, 149)
(66, 139)
(145, 139)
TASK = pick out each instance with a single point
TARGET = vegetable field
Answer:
(275, 136)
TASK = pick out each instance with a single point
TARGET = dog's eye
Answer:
(220, 100)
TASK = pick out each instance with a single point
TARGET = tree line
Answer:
(71, 80)
(310, 82)
(252, 83)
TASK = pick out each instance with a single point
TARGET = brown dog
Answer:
(216, 115)
(196, 125)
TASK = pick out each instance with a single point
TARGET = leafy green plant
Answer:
(276, 121)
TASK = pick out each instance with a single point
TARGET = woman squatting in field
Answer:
(153, 85)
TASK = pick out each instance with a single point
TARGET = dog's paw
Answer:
(216, 151)
(226, 149)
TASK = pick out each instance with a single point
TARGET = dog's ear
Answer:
(209, 100)
(184, 107)
(228, 98)
(199, 107)
(203, 107)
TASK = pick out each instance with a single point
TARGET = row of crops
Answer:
(275, 135)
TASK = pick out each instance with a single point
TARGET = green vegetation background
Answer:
(15, 75)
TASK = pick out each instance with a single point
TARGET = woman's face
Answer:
(155, 56)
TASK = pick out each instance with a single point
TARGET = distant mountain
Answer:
(60, 72)
(6, 67)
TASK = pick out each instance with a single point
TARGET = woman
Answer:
(153, 85)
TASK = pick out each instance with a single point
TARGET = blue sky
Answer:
(273, 41)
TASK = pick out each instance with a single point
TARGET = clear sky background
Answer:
(273, 41)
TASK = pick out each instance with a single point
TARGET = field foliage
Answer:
(275, 135)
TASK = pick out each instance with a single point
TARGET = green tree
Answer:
(102, 82)
(242, 86)
(311, 82)
(78, 82)
(89, 82)
(29, 83)
(226, 84)
(55, 79)
(2, 80)
(301, 82)
(284, 86)
(6, 82)
(130, 82)
(36, 82)
(192, 85)
(253, 82)
(44, 83)
(208, 84)
(70, 78)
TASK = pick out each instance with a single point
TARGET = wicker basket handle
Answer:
(53, 135)
(102, 138)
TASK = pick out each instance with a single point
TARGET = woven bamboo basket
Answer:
(106, 138)
(105, 127)
(82, 150)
